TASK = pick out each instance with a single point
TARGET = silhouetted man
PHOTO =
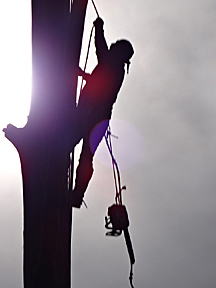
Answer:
(96, 101)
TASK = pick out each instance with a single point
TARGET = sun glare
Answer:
(15, 58)
(124, 137)
(15, 78)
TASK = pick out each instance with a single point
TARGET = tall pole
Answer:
(44, 144)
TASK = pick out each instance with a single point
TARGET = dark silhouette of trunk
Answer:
(44, 144)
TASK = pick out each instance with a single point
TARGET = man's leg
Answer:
(83, 175)
(85, 168)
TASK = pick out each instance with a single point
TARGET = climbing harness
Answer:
(117, 219)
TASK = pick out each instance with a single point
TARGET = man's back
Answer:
(100, 92)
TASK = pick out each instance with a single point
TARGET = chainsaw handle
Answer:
(129, 245)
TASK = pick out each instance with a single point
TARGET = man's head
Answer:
(123, 50)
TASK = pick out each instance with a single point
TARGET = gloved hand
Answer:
(98, 23)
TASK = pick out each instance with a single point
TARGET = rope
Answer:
(87, 55)
(116, 172)
(95, 8)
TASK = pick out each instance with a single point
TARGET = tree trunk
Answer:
(46, 141)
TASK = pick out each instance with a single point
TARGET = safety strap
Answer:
(118, 200)
(116, 173)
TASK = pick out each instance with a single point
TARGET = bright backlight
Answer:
(15, 59)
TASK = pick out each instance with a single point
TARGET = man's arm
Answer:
(100, 42)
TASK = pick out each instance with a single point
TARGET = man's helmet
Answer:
(123, 50)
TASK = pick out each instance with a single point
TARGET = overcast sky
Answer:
(165, 118)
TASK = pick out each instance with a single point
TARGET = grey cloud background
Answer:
(169, 98)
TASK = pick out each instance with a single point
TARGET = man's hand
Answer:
(98, 23)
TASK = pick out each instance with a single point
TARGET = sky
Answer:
(165, 120)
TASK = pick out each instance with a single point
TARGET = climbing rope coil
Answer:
(117, 219)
